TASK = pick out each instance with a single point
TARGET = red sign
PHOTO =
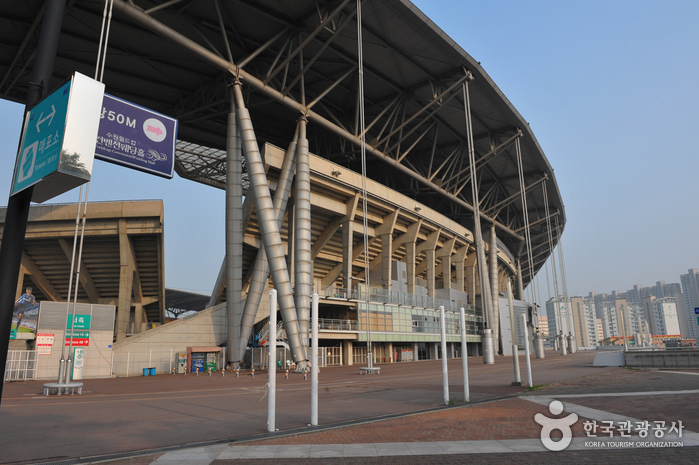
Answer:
(44, 343)
(78, 342)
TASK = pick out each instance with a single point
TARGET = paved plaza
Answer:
(395, 417)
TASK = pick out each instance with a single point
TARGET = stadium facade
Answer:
(457, 197)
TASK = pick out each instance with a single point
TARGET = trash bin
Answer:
(152, 371)
(146, 371)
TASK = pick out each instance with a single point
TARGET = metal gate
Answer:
(333, 355)
(359, 355)
(20, 365)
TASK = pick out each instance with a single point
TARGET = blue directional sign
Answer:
(42, 140)
(58, 140)
(696, 310)
(136, 137)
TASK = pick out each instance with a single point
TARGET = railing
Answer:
(386, 296)
(20, 365)
(337, 325)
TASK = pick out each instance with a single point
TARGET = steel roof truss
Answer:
(513, 197)
(305, 42)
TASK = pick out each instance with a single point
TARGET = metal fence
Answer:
(132, 363)
(20, 365)
(326, 356)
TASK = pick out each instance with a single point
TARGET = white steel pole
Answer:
(272, 368)
(445, 373)
(464, 355)
(526, 351)
(515, 350)
(314, 360)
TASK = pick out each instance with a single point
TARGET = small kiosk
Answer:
(202, 359)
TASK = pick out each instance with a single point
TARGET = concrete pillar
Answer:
(390, 355)
(431, 264)
(451, 350)
(520, 282)
(291, 209)
(269, 229)
(446, 270)
(410, 265)
(234, 239)
(139, 318)
(126, 272)
(435, 351)
(347, 353)
(460, 276)
(347, 244)
(416, 351)
(20, 282)
(387, 260)
(494, 286)
(470, 266)
(303, 272)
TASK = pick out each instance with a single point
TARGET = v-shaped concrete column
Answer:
(269, 229)
(260, 272)
(303, 268)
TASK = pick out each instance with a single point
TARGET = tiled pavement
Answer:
(499, 432)
(429, 438)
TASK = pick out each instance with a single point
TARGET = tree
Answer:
(177, 312)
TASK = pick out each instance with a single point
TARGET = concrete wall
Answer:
(52, 321)
(158, 347)
(663, 359)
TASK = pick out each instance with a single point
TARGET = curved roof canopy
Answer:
(299, 57)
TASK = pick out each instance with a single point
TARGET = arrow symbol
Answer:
(48, 117)
(155, 129)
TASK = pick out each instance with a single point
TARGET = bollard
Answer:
(209, 371)
(253, 373)
(197, 371)
(487, 342)
(287, 374)
(185, 371)
(538, 345)
(305, 375)
(173, 371)
(237, 372)
(223, 373)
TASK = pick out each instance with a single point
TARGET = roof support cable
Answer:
(527, 233)
(362, 132)
(564, 280)
(64, 371)
(486, 299)
(557, 295)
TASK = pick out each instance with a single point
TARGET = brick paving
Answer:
(507, 419)
(621, 380)
(671, 408)
(140, 460)
(193, 407)
(679, 456)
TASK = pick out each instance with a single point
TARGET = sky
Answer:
(610, 89)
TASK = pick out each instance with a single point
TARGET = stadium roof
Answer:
(178, 57)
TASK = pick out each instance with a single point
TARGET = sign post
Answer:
(78, 363)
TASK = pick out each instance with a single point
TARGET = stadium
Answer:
(390, 175)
